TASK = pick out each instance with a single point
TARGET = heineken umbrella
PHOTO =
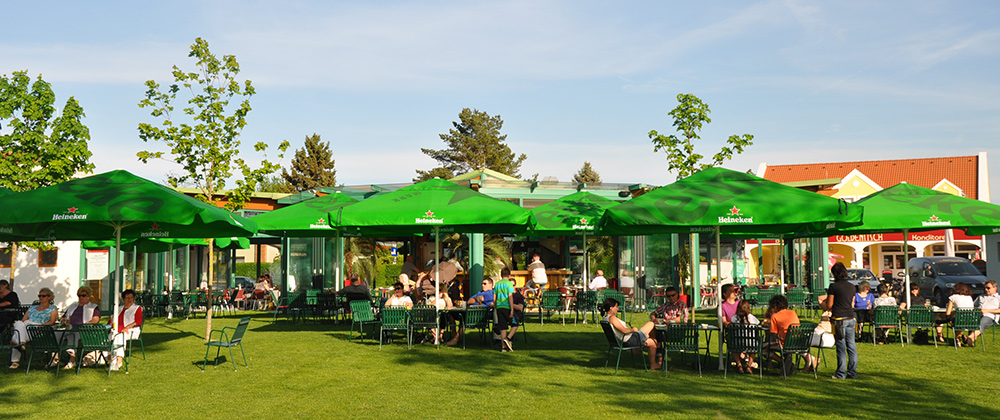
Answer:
(723, 201)
(114, 204)
(436, 206)
(574, 214)
(5, 191)
(910, 208)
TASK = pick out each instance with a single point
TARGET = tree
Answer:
(38, 148)
(689, 116)
(312, 166)
(208, 147)
(475, 142)
(274, 184)
(587, 174)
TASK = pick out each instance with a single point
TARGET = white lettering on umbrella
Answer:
(724, 219)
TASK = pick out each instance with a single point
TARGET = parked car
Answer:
(858, 275)
(246, 282)
(937, 275)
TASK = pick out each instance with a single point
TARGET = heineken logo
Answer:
(6, 229)
(71, 214)
(936, 221)
(735, 216)
(583, 225)
(429, 218)
(155, 232)
(320, 224)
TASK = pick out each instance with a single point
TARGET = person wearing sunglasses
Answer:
(44, 313)
(674, 310)
(485, 297)
(82, 312)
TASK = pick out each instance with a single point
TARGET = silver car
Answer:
(857, 275)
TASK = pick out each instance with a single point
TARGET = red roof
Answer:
(928, 172)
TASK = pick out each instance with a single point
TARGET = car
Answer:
(857, 275)
(246, 282)
(937, 275)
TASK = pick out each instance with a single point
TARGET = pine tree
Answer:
(475, 142)
(312, 167)
(587, 175)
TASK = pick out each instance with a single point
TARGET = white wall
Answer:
(992, 256)
(63, 279)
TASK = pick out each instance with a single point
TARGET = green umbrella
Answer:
(146, 245)
(574, 214)
(723, 201)
(5, 191)
(910, 208)
(114, 204)
(309, 218)
(434, 205)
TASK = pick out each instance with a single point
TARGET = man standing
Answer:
(989, 303)
(599, 282)
(839, 301)
(538, 278)
(503, 313)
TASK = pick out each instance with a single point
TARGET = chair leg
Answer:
(232, 358)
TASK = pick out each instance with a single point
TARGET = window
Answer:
(5, 257)
(48, 258)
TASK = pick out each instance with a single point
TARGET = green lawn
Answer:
(312, 371)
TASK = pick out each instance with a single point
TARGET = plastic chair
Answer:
(393, 319)
(229, 341)
(967, 320)
(920, 317)
(886, 318)
(743, 338)
(361, 315)
(614, 343)
(680, 338)
(95, 338)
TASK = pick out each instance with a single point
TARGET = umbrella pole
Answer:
(906, 265)
(170, 282)
(718, 292)
(586, 262)
(118, 270)
(437, 285)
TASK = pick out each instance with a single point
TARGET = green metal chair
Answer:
(614, 343)
(586, 302)
(228, 340)
(477, 317)
(796, 298)
(43, 340)
(797, 344)
(393, 319)
(743, 338)
(618, 296)
(95, 338)
(967, 320)
(6, 336)
(551, 302)
(680, 338)
(886, 318)
(750, 293)
(421, 317)
(920, 317)
(361, 315)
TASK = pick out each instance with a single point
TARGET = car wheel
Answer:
(940, 299)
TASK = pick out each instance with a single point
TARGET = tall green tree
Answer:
(587, 174)
(312, 166)
(274, 184)
(38, 148)
(689, 116)
(204, 138)
(474, 142)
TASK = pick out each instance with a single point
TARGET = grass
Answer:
(312, 371)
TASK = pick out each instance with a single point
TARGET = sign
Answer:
(394, 251)
(97, 264)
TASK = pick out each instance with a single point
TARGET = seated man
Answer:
(598, 282)
(675, 310)
(989, 303)
(357, 290)
(485, 297)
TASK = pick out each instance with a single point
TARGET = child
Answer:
(743, 316)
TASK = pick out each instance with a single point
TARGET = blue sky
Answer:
(574, 81)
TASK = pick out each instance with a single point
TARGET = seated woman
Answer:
(44, 313)
(779, 319)
(883, 299)
(441, 301)
(863, 303)
(743, 316)
(399, 298)
(129, 324)
(630, 337)
(961, 298)
(82, 312)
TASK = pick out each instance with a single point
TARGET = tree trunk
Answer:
(208, 297)
(13, 263)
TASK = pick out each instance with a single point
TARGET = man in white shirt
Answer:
(989, 303)
(599, 282)
(538, 278)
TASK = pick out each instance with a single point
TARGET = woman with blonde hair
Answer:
(44, 313)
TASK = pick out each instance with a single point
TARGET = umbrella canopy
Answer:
(421, 207)
(5, 191)
(915, 209)
(735, 202)
(148, 245)
(309, 218)
(573, 214)
(98, 206)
